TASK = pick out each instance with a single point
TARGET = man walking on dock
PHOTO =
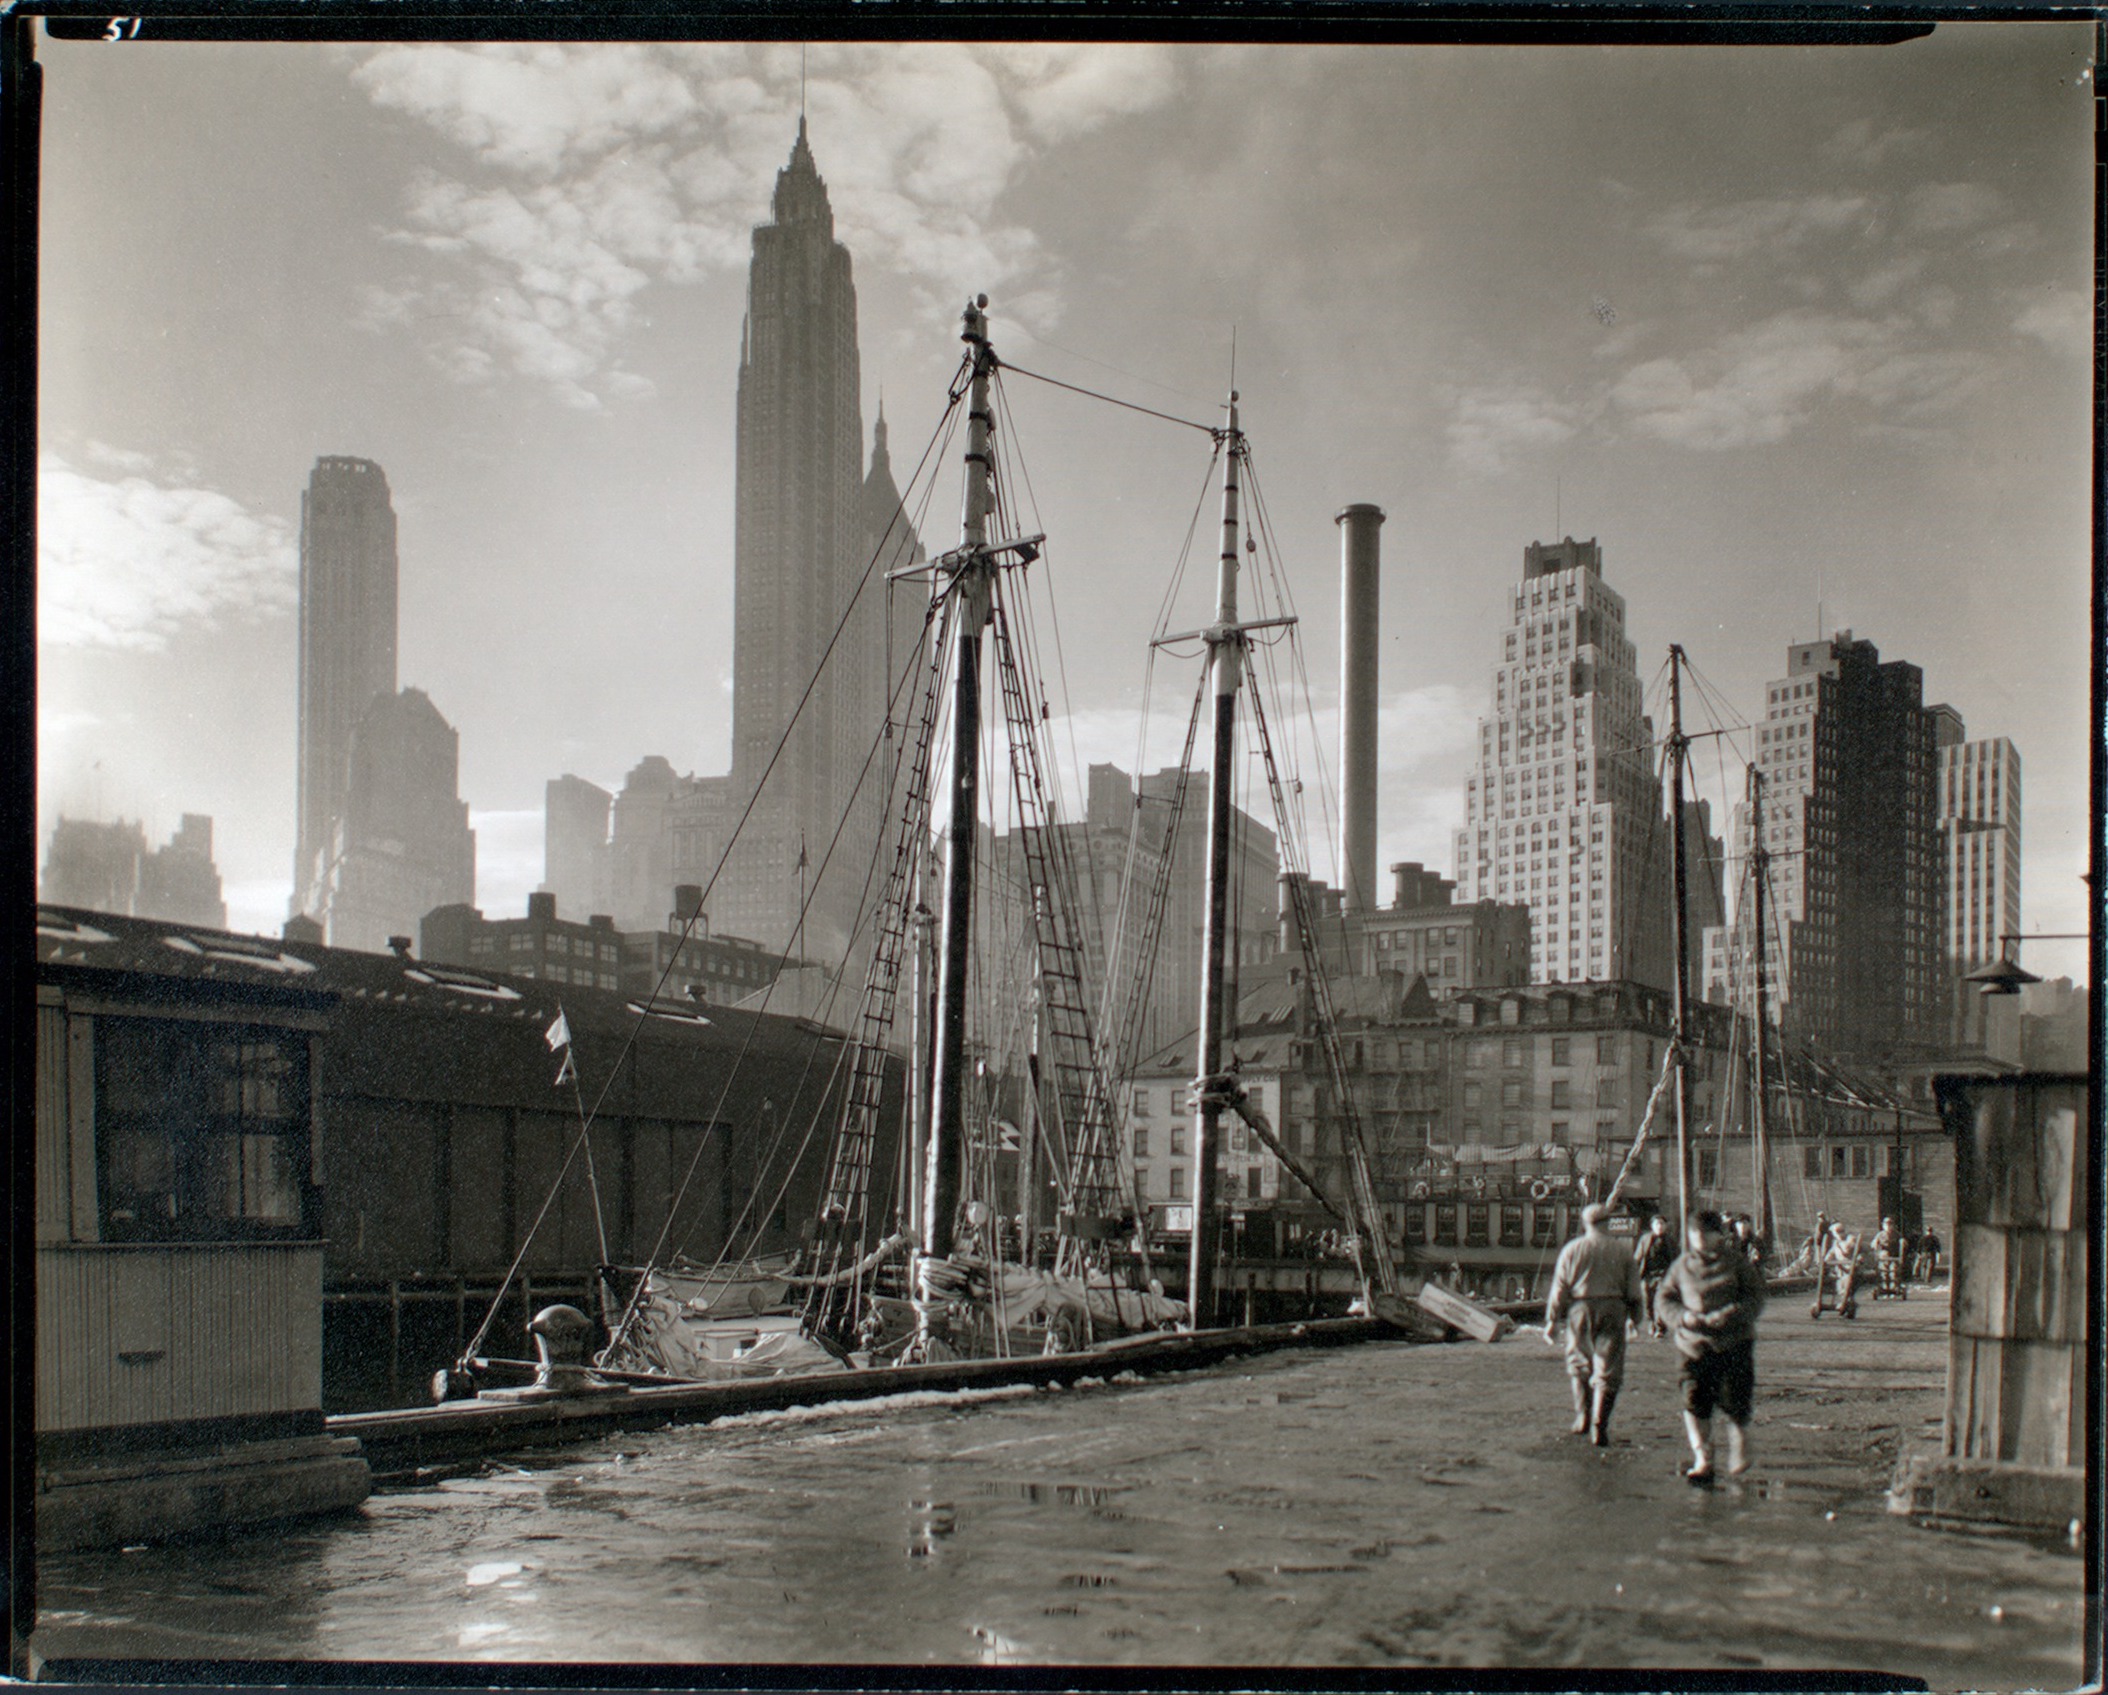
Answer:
(1596, 1293)
(1710, 1301)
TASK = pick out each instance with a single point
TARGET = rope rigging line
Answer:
(1111, 400)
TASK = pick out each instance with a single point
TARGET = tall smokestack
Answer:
(1358, 526)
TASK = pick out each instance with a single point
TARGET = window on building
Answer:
(1511, 1049)
(1178, 1138)
(1840, 1162)
(1708, 1167)
(1141, 1103)
(1862, 1160)
(1543, 1216)
(1141, 1148)
(1606, 1050)
(1445, 1224)
(1251, 1183)
(1178, 1182)
(1561, 1097)
(1511, 1224)
(202, 1132)
(1477, 1221)
(1415, 1224)
(1562, 1046)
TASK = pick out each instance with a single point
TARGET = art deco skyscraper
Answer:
(347, 642)
(1565, 808)
(799, 553)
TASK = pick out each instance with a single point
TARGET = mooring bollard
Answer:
(559, 1334)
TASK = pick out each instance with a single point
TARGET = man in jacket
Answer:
(1657, 1252)
(1710, 1301)
(1596, 1294)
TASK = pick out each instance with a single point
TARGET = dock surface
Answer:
(1376, 1506)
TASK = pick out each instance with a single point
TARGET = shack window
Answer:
(1476, 1221)
(1542, 1218)
(202, 1132)
(1446, 1224)
(1511, 1224)
(1415, 1225)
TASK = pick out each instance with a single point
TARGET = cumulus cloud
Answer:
(129, 561)
(1949, 208)
(592, 173)
(1491, 424)
(1720, 234)
(2061, 319)
(1862, 143)
(1758, 385)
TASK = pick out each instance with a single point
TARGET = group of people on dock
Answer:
(1837, 1258)
(1707, 1297)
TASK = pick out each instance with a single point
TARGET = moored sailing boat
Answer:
(931, 1266)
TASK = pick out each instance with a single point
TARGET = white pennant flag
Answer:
(567, 1071)
(558, 1035)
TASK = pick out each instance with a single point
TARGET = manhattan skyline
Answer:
(1796, 334)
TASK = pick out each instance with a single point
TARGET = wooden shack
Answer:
(2014, 1435)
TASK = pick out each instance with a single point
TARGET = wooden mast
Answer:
(1676, 748)
(1226, 657)
(1760, 879)
(972, 573)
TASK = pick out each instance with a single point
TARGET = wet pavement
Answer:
(1378, 1505)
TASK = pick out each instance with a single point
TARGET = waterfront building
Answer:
(179, 1235)
(107, 868)
(445, 1142)
(1564, 808)
(685, 962)
(401, 843)
(1852, 821)
(347, 643)
(541, 945)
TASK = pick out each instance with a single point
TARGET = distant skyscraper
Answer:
(575, 815)
(1980, 819)
(347, 641)
(1565, 808)
(1852, 820)
(106, 867)
(799, 553)
(402, 844)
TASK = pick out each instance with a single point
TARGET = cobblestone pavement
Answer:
(1381, 1505)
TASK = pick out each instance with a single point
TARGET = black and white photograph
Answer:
(955, 852)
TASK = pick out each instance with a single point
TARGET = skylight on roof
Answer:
(60, 928)
(238, 950)
(675, 1014)
(461, 982)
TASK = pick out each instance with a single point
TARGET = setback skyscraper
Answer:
(347, 642)
(799, 553)
(1852, 820)
(1565, 808)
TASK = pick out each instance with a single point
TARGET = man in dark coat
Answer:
(1710, 1300)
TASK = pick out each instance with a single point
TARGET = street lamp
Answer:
(2006, 976)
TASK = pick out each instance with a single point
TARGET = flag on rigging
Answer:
(558, 1036)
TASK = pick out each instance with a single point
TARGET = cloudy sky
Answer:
(1799, 334)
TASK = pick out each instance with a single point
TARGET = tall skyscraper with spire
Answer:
(799, 556)
(347, 642)
(1565, 808)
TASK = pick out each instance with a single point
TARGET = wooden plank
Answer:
(1977, 1412)
(54, 1168)
(80, 1127)
(1480, 1323)
(2035, 1414)
(1979, 1281)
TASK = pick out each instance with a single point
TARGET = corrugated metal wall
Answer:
(151, 1334)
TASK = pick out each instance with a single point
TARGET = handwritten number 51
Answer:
(121, 29)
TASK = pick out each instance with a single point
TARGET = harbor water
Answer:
(1386, 1504)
